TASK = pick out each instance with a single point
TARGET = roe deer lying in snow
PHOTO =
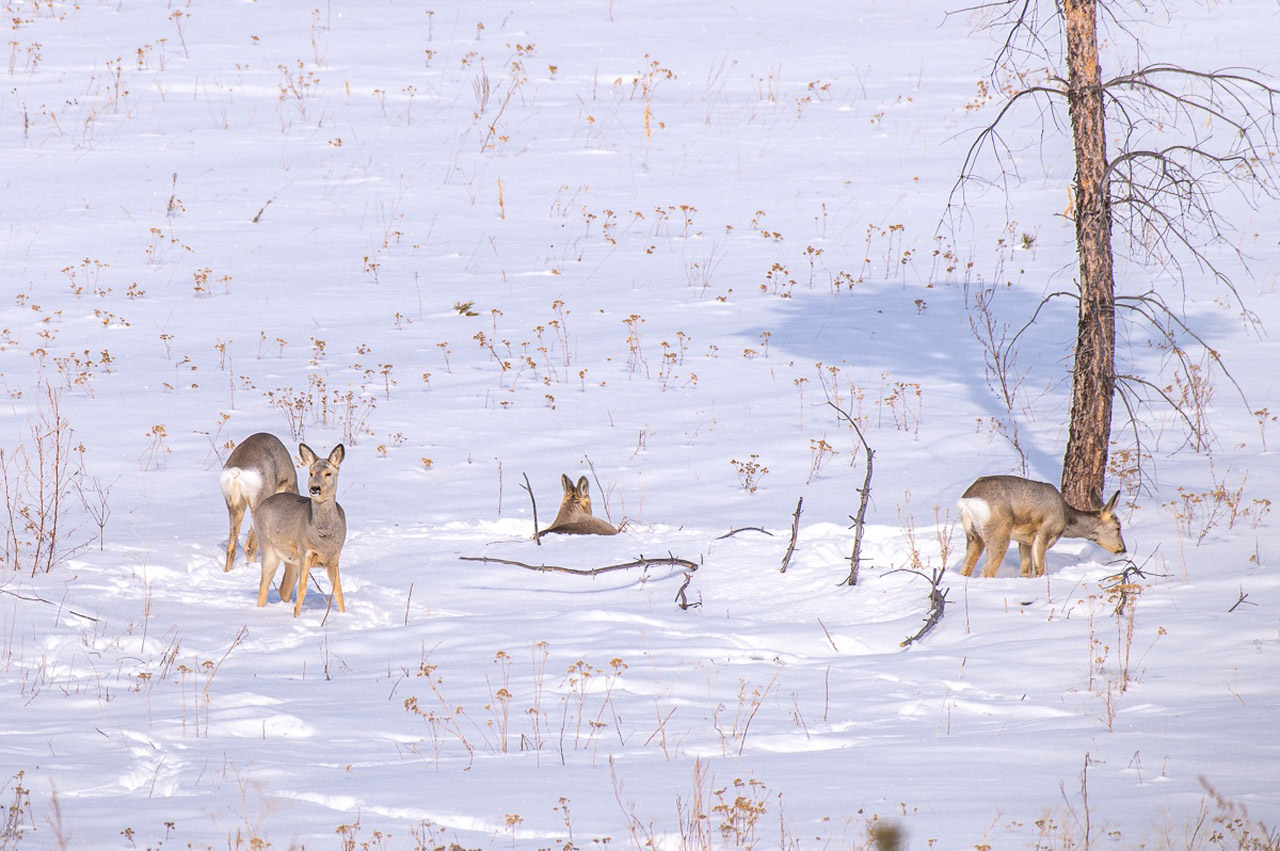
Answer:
(303, 532)
(258, 468)
(997, 509)
(574, 517)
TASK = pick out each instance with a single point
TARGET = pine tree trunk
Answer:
(1084, 465)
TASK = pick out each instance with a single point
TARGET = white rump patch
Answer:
(974, 513)
(238, 482)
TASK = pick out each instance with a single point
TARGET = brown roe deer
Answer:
(998, 509)
(574, 516)
(303, 532)
(258, 468)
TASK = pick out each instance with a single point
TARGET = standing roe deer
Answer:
(996, 509)
(258, 468)
(303, 532)
(574, 517)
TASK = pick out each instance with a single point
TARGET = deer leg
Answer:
(972, 552)
(1025, 560)
(288, 581)
(336, 582)
(303, 572)
(270, 561)
(973, 547)
(251, 543)
(1040, 551)
(235, 513)
(997, 546)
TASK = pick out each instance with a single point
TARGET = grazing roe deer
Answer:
(574, 517)
(258, 468)
(997, 509)
(303, 532)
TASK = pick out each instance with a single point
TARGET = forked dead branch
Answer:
(937, 604)
(641, 561)
(681, 599)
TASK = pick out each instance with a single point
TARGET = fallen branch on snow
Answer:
(733, 532)
(681, 600)
(591, 571)
(937, 604)
(39, 599)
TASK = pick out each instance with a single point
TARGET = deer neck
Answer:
(325, 516)
(1081, 524)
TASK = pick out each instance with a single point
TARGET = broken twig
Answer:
(537, 535)
(1244, 598)
(937, 604)
(681, 600)
(795, 532)
(39, 599)
(828, 634)
(733, 532)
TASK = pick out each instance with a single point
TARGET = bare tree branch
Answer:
(537, 533)
(937, 604)
(864, 496)
(593, 571)
(681, 600)
(733, 532)
(1182, 137)
(795, 532)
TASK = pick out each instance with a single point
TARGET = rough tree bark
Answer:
(1182, 137)
(1084, 465)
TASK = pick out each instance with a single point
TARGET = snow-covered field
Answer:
(646, 243)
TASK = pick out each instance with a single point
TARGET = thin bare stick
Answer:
(485, 145)
(327, 607)
(38, 599)
(662, 722)
(795, 533)
(742, 743)
(235, 642)
(258, 217)
(537, 535)
(828, 634)
(591, 571)
(604, 495)
(733, 532)
(1244, 598)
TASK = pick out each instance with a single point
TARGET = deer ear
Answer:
(308, 455)
(335, 457)
(582, 486)
(566, 483)
(1111, 503)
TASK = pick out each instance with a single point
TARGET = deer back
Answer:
(1021, 506)
(257, 468)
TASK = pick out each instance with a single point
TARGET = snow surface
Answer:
(213, 210)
